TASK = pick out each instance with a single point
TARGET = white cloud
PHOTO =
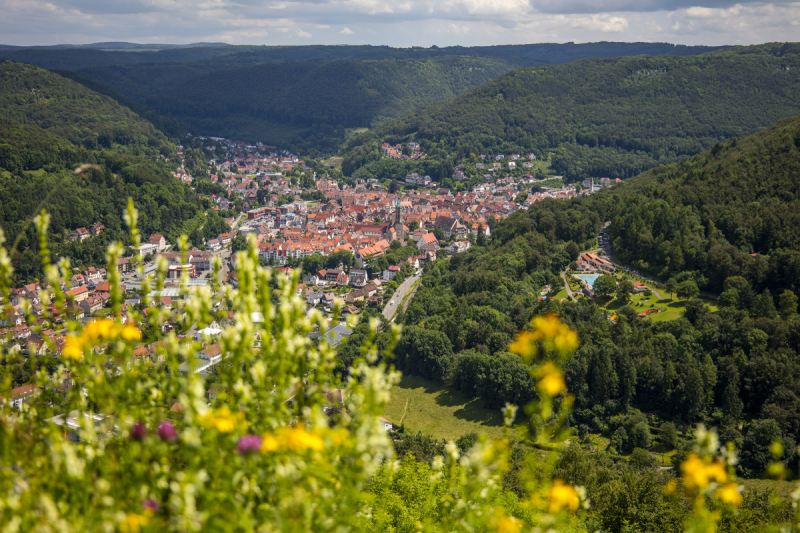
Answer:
(398, 22)
(602, 23)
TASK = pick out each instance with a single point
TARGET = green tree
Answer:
(238, 243)
(787, 303)
(687, 289)
(625, 290)
(755, 454)
(605, 286)
(668, 435)
(425, 352)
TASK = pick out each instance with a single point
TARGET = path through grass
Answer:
(431, 408)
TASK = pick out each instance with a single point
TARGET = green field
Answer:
(431, 408)
(668, 309)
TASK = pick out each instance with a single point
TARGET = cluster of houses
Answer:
(366, 221)
(590, 262)
(409, 150)
(252, 175)
(83, 233)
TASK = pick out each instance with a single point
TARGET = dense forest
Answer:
(611, 117)
(50, 127)
(75, 57)
(301, 97)
(733, 211)
(302, 105)
(735, 368)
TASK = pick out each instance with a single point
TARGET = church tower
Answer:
(398, 222)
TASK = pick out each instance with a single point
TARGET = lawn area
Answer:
(429, 407)
(333, 162)
(668, 309)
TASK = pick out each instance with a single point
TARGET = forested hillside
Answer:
(299, 97)
(70, 58)
(303, 105)
(734, 211)
(735, 368)
(611, 117)
(50, 126)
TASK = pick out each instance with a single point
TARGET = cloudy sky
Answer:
(398, 22)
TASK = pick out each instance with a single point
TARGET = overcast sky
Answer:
(398, 22)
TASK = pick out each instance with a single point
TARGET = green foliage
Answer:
(728, 213)
(497, 379)
(424, 352)
(605, 286)
(52, 125)
(305, 105)
(615, 117)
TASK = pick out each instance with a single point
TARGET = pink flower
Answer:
(248, 444)
(167, 431)
(150, 505)
(138, 431)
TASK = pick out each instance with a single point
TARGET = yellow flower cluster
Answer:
(548, 330)
(552, 334)
(551, 380)
(99, 330)
(563, 496)
(699, 474)
(134, 522)
(222, 419)
(295, 439)
(729, 494)
(508, 524)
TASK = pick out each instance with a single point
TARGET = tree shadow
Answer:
(476, 412)
(471, 409)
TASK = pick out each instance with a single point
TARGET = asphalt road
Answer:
(393, 306)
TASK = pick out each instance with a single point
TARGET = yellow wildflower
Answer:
(73, 348)
(547, 327)
(566, 341)
(729, 494)
(716, 472)
(298, 439)
(523, 345)
(563, 496)
(551, 380)
(338, 436)
(508, 524)
(99, 329)
(697, 474)
(269, 443)
(133, 522)
(222, 419)
(549, 330)
(131, 333)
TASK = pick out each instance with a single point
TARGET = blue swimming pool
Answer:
(589, 279)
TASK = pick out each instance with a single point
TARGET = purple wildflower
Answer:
(150, 505)
(167, 431)
(138, 431)
(249, 444)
